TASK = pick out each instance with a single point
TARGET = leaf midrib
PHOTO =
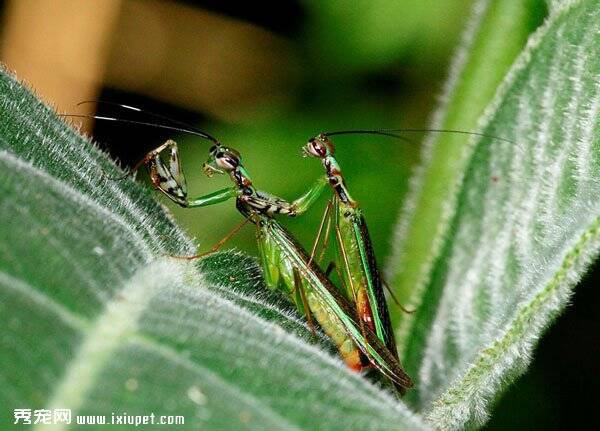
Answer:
(489, 356)
(74, 386)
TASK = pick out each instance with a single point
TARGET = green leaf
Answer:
(495, 35)
(96, 317)
(526, 225)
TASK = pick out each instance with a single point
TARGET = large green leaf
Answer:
(496, 33)
(96, 317)
(526, 225)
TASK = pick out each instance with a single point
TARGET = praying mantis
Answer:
(355, 257)
(354, 250)
(286, 264)
(356, 317)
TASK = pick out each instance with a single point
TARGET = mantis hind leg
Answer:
(400, 306)
(218, 244)
(326, 219)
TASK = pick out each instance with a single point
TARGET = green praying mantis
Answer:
(286, 264)
(354, 250)
(363, 337)
(354, 254)
(356, 316)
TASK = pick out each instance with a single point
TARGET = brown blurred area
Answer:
(67, 50)
(59, 47)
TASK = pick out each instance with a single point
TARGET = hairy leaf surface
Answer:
(526, 225)
(96, 317)
(496, 32)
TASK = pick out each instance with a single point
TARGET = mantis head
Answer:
(320, 146)
(221, 160)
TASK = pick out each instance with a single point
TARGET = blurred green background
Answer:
(263, 82)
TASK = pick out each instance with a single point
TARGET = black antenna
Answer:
(144, 123)
(392, 132)
(141, 123)
(383, 132)
(149, 113)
